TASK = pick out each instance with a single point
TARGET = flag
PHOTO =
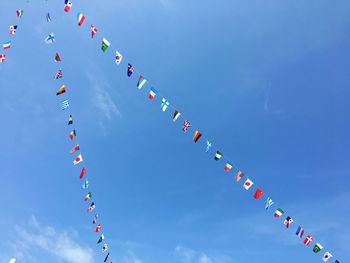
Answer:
(78, 159)
(337, 261)
(70, 120)
(228, 166)
(217, 156)
(104, 247)
(6, 45)
(75, 148)
(61, 90)
(102, 237)
(176, 115)
(300, 232)
(196, 136)
(278, 213)
(91, 207)
(118, 58)
(258, 193)
(247, 184)
(65, 105)
(142, 81)
(208, 146)
(72, 134)
(152, 93)
(164, 104)
(131, 69)
(2, 58)
(48, 17)
(106, 258)
(288, 221)
(59, 74)
(82, 173)
(67, 5)
(317, 248)
(80, 18)
(88, 197)
(186, 126)
(13, 260)
(239, 175)
(57, 57)
(85, 185)
(327, 256)
(94, 221)
(19, 13)
(50, 39)
(269, 203)
(105, 45)
(93, 31)
(98, 228)
(13, 29)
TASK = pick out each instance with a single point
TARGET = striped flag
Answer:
(94, 221)
(2, 58)
(19, 13)
(300, 232)
(61, 90)
(228, 166)
(118, 58)
(75, 149)
(239, 175)
(269, 203)
(152, 93)
(176, 115)
(65, 105)
(72, 134)
(218, 156)
(59, 74)
(88, 196)
(93, 31)
(106, 258)
(196, 136)
(6, 45)
(105, 45)
(164, 104)
(91, 207)
(13, 29)
(80, 18)
(186, 126)
(142, 81)
(278, 213)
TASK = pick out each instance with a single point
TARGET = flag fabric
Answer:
(93, 31)
(218, 156)
(300, 232)
(105, 45)
(288, 221)
(2, 58)
(6, 45)
(176, 115)
(65, 105)
(317, 248)
(48, 18)
(278, 213)
(67, 5)
(88, 197)
(61, 90)
(269, 203)
(98, 228)
(13, 29)
(59, 74)
(104, 247)
(80, 18)
(19, 13)
(85, 185)
(196, 136)
(258, 193)
(247, 184)
(208, 146)
(57, 58)
(106, 258)
(186, 126)
(78, 159)
(102, 237)
(152, 93)
(239, 175)
(94, 221)
(327, 256)
(50, 39)
(71, 135)
(118, 58)
(308, 240)
(141, 82)
(228, 166)
(131, 70)
(82, 173)
(164, 104)
(70, 120)
(91, 207)
(75, 148)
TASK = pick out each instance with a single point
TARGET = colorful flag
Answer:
(196, 136)
(104, 247)
(131, 69)
(176, 115)
(269, 203)
(75, 148)
(186, 126)
(85, 185)
(247, 184)
(78, 159)
(70, 121)
(218, 156)
(327, 256)
(67, 5)
(2, 58)
(61, 90)
(258, 193)
(93, 31)
(288, 221)
(65, 105)
(82, 173)
(164, 104)
(59, 74)
(300, 232)
(142, 81)
(102, 237)
(80, 18)
(98, 228)
(208, 146)
(50, 39)
(57, 57)
(19, 13)
(228, 166)
(94, 221)
(278, 213)
(72, 134)
(91, 207)
(87, 197)
(106, 258)
(239, 175)
(105, 45)
(13, 29)
(6, 44)
(152, 93)
(118, 58)
(48, 18)
(317, 248)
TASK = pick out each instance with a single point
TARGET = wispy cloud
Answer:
(187, 255)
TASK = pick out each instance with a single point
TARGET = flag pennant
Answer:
(278, 213)
(247, 184)
(105, 45)
(80, 18)
(327, 256)
(93, 31)
(61, 90)
(57, 58)
(98, 228)
(59, 74)
(308, 240)
(208, 146)
(91, 207)
(337, 261)
(2, 58)
(48, 18)
(6, 45)
(85, 185)
(141, 82)
(65, 105)
(82, 173)
(152, 93)
(176, 115)
(186, 126)
(87, 197)
(106, 258)
(70, 120)
(300, 232)
(228, 166)
(75, 148)
(104, 247)
(102, 237)
(288, 221)
(13, 29)
(239, 175)
(67, 5)
(164, 104)
(269, 203)
(317, 248)
(196, 137)
(131, 70)
(218, 156)
(118, 58)
(19, 13)
(94, 221)
(258, 193)
(72, 134)
(50, 39)
(78, 159)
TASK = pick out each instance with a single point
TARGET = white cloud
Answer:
(188, 255)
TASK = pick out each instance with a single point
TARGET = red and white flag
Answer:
(247, 184)
(98, 228)
(78, 159)
(308, 240)
(93, 31)
(2, 58)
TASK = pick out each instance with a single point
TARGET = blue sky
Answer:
(266, 82)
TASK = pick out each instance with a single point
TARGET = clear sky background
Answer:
(266, 81)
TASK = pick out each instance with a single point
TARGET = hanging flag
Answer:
(2, 58)
(218, 156)
(176, 115)
(67, 5)
(78, 159)
(228, 166)
(106, 258)
(85, 185)
(105, 45)
(59, 74)
(72, 134)
(91, 207)
(239, 175)
(152, 93)
(87, 197)
(94, 221)
(196, 137)
(19, 13)
(98, 228)
(141, 81)
(82, 173)
(93, 31)
(80, 18)
(70, 121)
(337, 261)
(278, 213)
(317, 248)
(118, 58)
(288, 221)
(131, 70)
(75, 148)
(186, 126)
(258, 193)
(61, 90)
(6, 45)
(57, 58)
(104, 247)
(164, 104)
(13, 29)
(300, 232)
(65, 105)
(208, 146)
(50, 39)
(247, 184)
(48, 18)
(102, 237)
(327, 256)
(269, 203)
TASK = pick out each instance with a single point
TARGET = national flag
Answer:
(152, 93)
(57, 58)
(85, 185)
(176, 115)
(67, 5)
(98, 228)
(164, 104)
(258, 193)
(80, 18)
(50, 39)
(118, 58)
(75, 148)
(102, 237)
(65, 105)
(239, 175)
(105, 45)
(93, 31)
(87, 197)
(104, 247)
(2, 58)
(19, 13)
(78, 159)
(196, 136)
(300, 232)
(72, 134)
(288, 221)
(186, 126)
(269, 203)
(59, 74)
(228, 166)
(218, 156)
(208, 146)
(13, 29)
(94, 221)
(82, 173)
(91, 207)
(337, 261)
(6, 44)
(317, 248)
(70, 120)
(278, 213)
(131, 70)
(327, 256)
(61, 90)
(48, 18)
(247, 184)
(142, 81)
(106, 258)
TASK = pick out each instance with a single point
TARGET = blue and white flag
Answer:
(50, 39)
(164, 104)
(269, 203)
(85, 185)
(48, 17)
(208, 146)
(65, 105)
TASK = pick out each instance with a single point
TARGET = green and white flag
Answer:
(100, 239)
(105, 44)
(317, 248)
(217, 156)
